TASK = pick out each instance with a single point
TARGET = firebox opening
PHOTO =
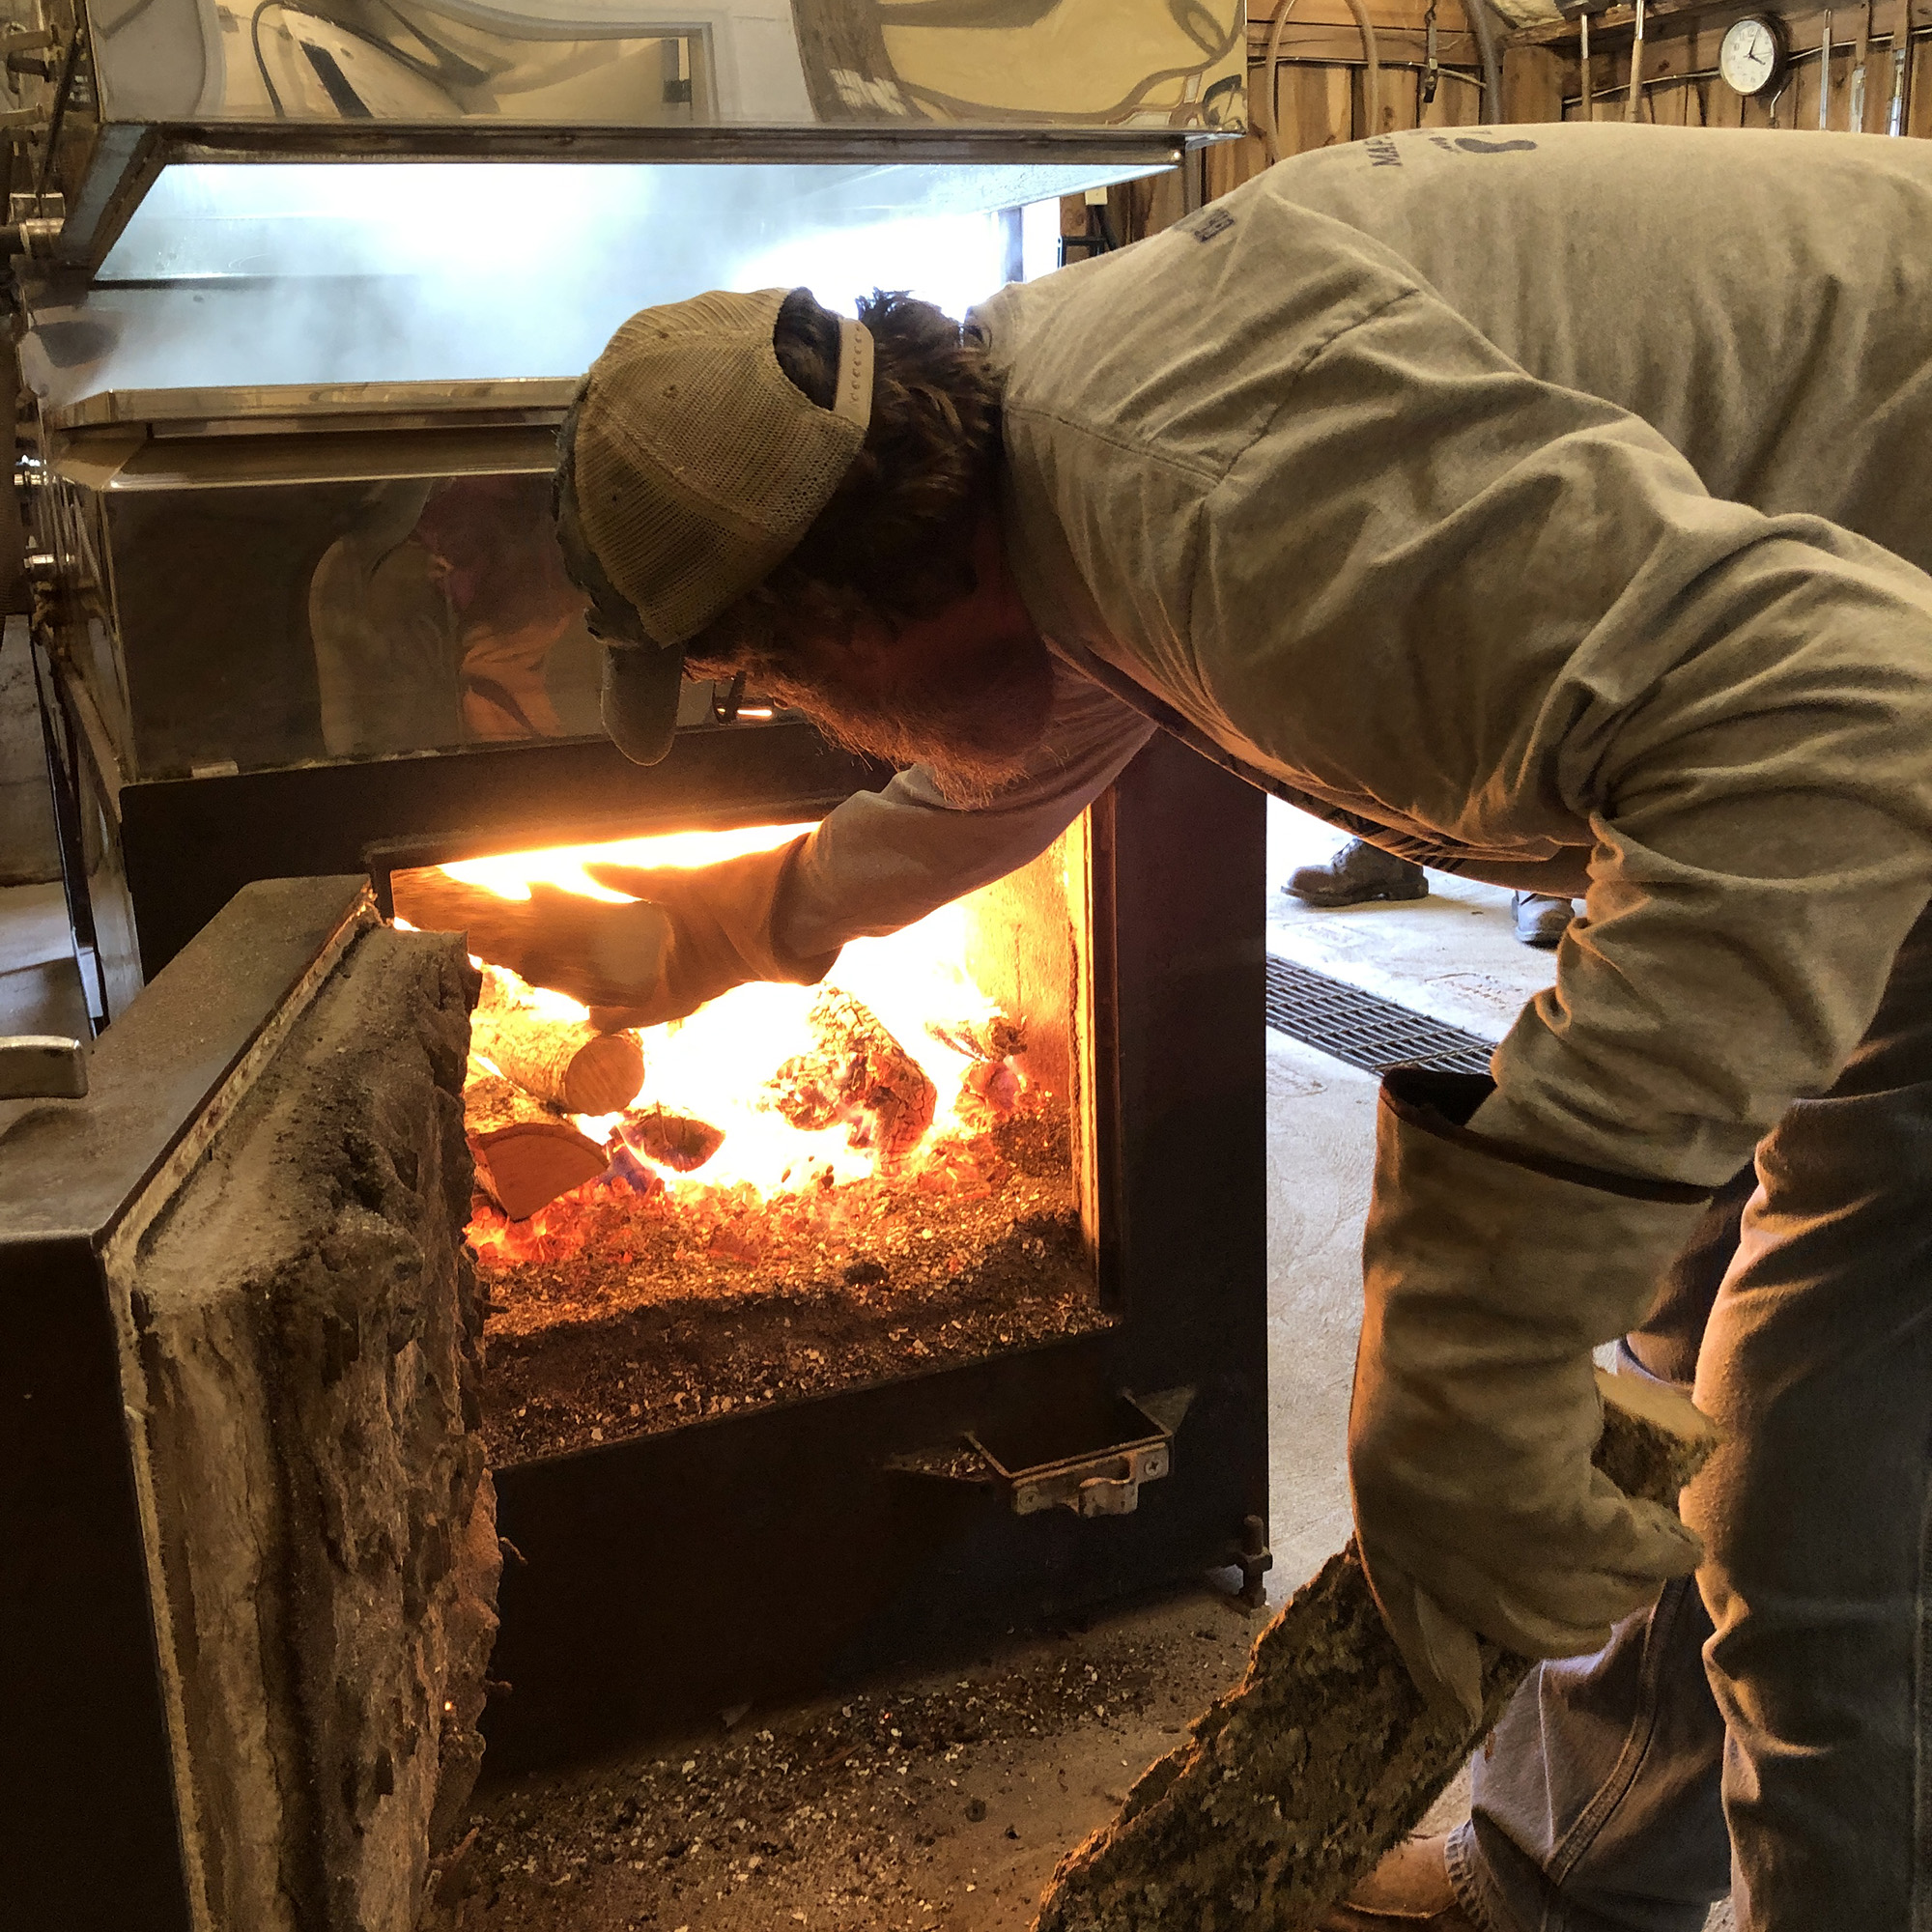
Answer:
(796, 1189)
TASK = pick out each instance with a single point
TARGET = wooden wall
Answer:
(1681, 84)
(1318, 98)
(1319, 95)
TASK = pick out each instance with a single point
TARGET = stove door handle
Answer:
(42, 1067)
(1101, 1482)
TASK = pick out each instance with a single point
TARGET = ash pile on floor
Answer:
(944, 1802)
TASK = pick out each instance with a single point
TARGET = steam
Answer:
(233, 276)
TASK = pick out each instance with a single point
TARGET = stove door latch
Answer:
(1099, 1482)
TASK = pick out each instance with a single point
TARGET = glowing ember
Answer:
(771, 1099)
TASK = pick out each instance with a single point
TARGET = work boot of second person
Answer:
(1408, 1891)
(1540, 920)
(1359, 871)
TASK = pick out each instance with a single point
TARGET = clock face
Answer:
(1752, 55)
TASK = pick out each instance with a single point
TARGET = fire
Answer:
(715, 1069)
(511, 874)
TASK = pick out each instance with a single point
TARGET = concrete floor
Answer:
(1452, 955)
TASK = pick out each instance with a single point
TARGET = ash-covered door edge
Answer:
(119, 1253)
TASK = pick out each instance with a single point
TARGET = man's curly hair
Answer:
(895, 542)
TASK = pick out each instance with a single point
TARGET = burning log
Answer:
(526, 1154)
(990, 1093)
(991, 1089)
(574, 1068)
(1294, 1785)
(988, 1041)
(675, 1141)
(856, 1071)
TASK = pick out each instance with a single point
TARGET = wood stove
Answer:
(677, 1562)
(299, 621)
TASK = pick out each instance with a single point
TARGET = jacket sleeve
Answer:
(884, 859)
(1513, 611)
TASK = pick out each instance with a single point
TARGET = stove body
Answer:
(667, 1576)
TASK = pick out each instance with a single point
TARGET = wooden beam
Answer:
(1533, 83)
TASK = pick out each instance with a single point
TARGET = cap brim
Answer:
(640, 698)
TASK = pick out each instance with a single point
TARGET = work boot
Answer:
(1540, 920)
(1359, 871)
(1408, 1891)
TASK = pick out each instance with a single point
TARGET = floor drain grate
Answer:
(1363, 1029)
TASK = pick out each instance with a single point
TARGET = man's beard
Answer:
(972, 722)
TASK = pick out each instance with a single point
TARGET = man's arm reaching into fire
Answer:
(885, 858)
(878, 862)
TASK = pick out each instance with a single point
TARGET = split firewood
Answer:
(527, 1153)
(676, 1141)
(856, 1071)
(1292, 1787)
(572, 1066)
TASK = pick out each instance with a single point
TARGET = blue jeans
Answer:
(1770, 1726)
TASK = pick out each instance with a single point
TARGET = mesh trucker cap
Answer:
(692, 465)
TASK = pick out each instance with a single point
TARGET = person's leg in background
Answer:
(1360, 873)
(1357, 874)
(1541, 920)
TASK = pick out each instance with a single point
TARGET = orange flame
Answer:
(714, 1066)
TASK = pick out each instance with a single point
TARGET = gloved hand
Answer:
(1490, 1274)
(685, 935)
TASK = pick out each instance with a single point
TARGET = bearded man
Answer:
(1550, 509)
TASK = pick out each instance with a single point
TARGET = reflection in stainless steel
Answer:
(253, 579)
(1175, 63)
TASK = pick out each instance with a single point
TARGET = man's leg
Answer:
(1818, 1363)
(1596, 1807)
(1817, 1517)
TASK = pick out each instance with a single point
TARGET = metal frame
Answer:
(190, 845)
(296, 407)
(125, 159)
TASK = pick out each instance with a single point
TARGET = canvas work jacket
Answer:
(1547, 504)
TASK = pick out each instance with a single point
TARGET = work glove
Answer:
(1490, 1274)
(683, 935)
